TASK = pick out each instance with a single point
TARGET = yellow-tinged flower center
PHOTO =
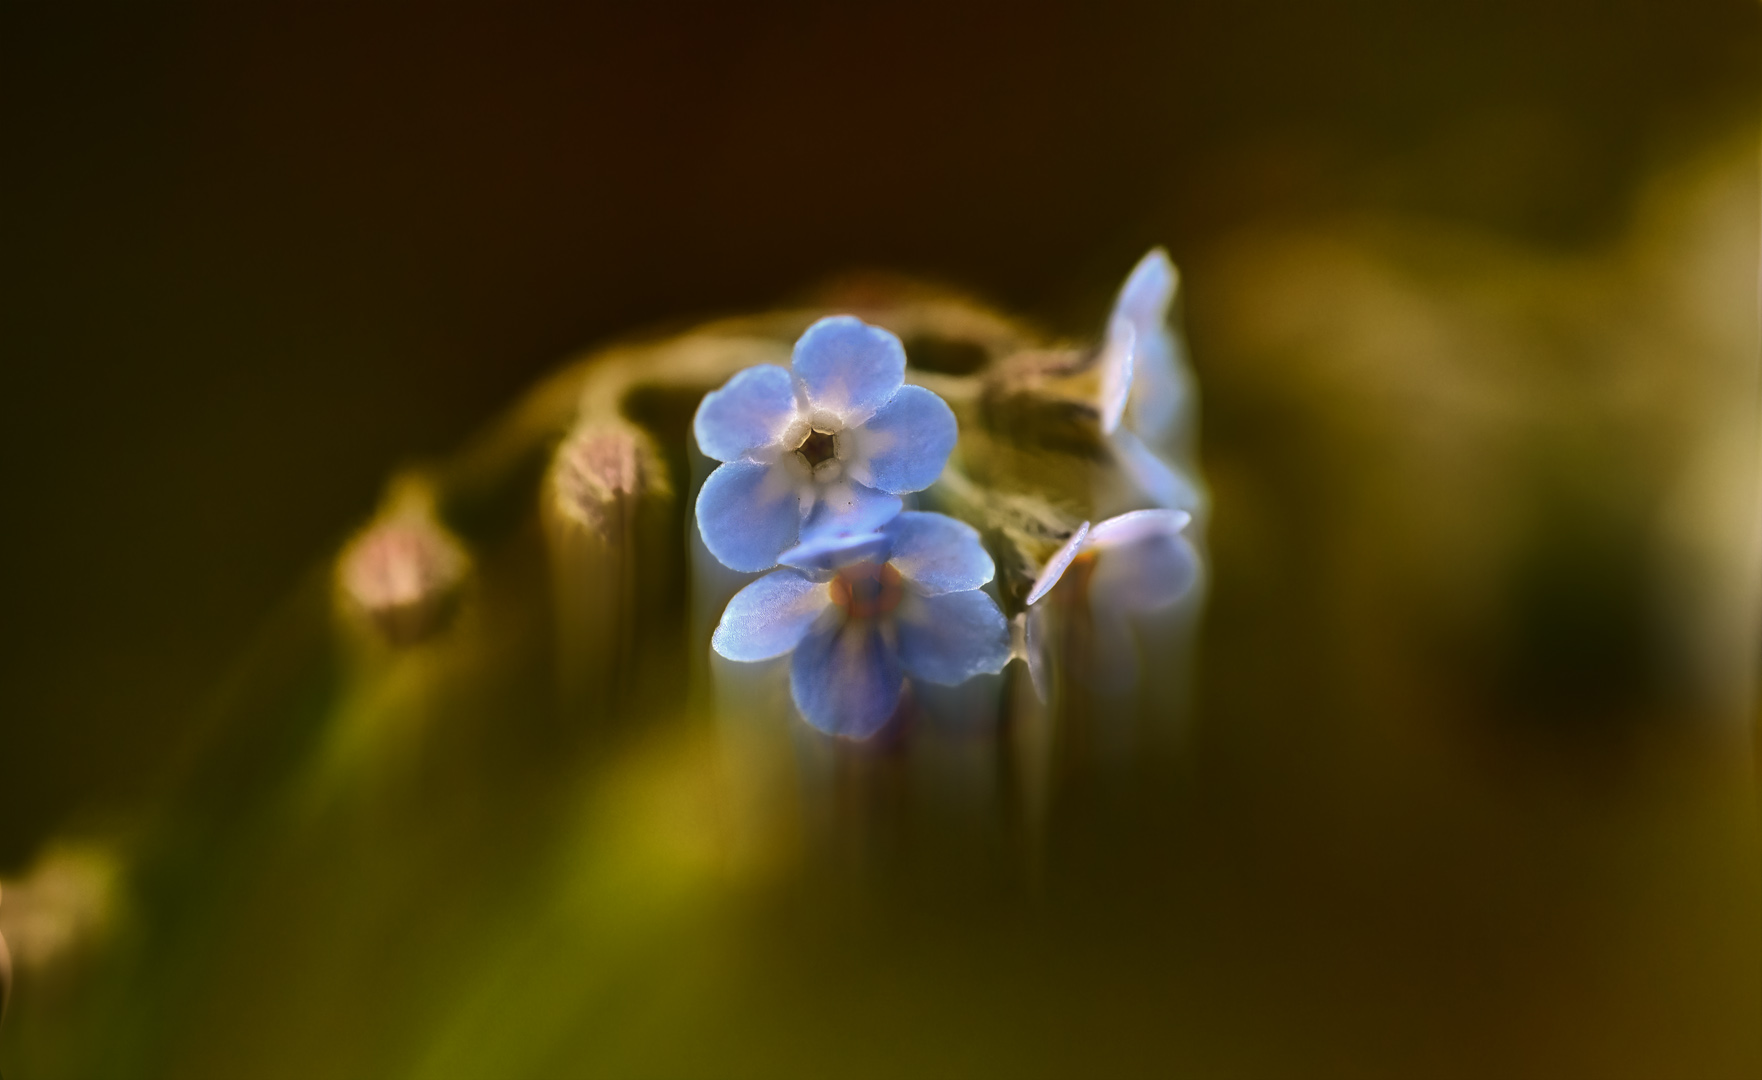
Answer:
(819, 446)
(866, 590)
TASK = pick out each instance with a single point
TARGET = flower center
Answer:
(866, 590)
(819, 446)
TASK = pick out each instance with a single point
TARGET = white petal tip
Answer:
(1056, 566)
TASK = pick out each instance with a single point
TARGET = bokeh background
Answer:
(1454, 269)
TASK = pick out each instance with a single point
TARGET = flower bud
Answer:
(611, 537)
(403, 573)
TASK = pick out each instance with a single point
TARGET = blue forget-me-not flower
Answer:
(1124, 567)
(862, 613)
(821, 449)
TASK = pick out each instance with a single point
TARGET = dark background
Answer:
(256, 258)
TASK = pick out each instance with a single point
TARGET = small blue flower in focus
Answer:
(1126, 566)
(862, 613)
(823, 449)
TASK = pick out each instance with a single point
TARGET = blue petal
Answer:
(831, 552)
(906, 444)
(749, 411)
(770, 616)
(937, 553)
(748, 514)
(845, 679)
(849, 367)
(1057, 565)
(952, 637)
(847, 509)
(1143, 562)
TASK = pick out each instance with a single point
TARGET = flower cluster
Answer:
(814, 461)
(1141, 562)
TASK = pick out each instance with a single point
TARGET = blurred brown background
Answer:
(256, 257)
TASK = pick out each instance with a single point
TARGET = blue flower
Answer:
(861, 613)
(1145, 391)
(1105, 576)
(820, 450)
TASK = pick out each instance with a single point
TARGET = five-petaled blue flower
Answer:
(820, 450)
(1124, 567)
(861, 613)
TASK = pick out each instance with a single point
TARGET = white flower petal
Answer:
(1143, 562)
(1116, 372)
(1057, 565)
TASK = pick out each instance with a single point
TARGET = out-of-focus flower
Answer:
(5, 976)
(861, 613)
(404, 571)
(1145, 396)
(60, 909)
(599, 470)
(1159, 395)
(823, 449)
(1126, 566)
